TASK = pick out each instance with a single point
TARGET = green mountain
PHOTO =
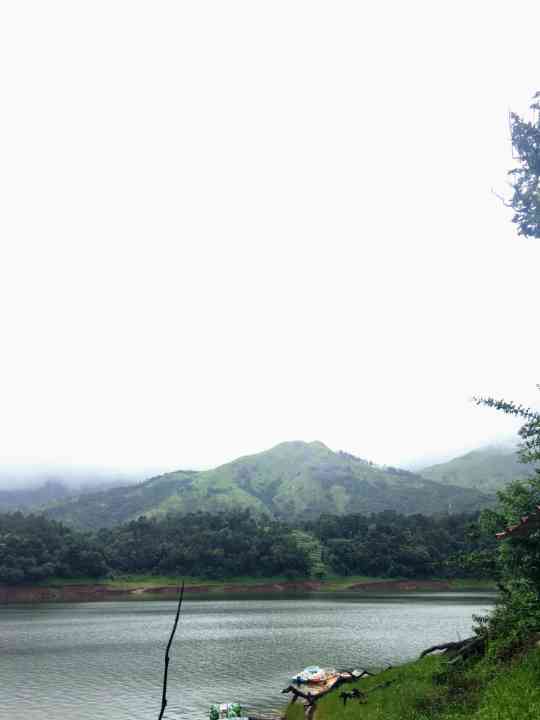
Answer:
(293, 479)
(487, 469)
(31, 498)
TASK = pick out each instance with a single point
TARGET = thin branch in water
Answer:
(166, 670)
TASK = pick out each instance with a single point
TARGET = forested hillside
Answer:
(34, 497)
(36, 489)
(292, 480)
(486, 469)
(240, 543)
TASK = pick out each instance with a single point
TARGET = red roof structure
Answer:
(528, 524)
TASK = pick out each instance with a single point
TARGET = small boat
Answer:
(322, 680)
(312, 674)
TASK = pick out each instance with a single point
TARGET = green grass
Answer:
(395, 702)
(340, 583)
(295, 712)
(331, 583)
(473, 584)
(132, 581)
(513, 696)
(428, 690)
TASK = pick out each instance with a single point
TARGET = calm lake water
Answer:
(97, 661)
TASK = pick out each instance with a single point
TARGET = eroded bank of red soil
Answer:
(92, 593)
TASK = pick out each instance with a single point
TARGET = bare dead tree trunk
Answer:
(447, 646)
(462, 649)
(166, 669)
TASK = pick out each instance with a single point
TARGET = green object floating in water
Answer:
(223, 711)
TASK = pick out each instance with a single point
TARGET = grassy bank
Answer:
(328, 584)
(430, 689)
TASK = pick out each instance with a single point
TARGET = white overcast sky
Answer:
(228, 224)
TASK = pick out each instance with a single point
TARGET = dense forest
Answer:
(241, 543)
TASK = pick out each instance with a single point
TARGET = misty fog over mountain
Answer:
(72, 477)
(83, 478)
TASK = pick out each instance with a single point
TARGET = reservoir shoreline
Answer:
(106, 592)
